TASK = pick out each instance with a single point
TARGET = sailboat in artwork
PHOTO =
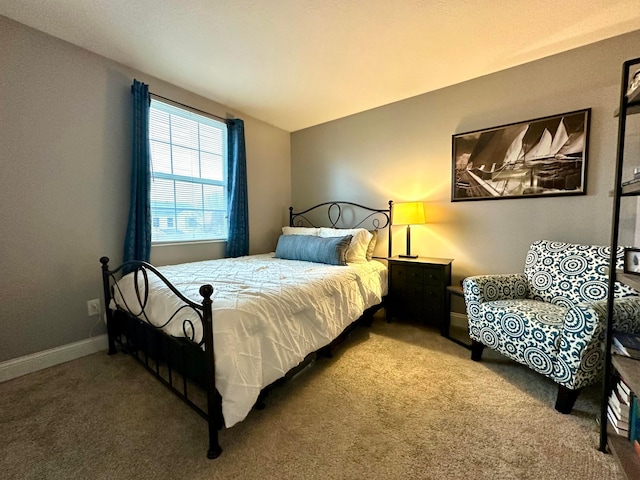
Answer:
(505, 162)
(556, 161)
(548, 146)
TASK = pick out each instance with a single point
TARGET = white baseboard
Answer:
(458, 320)
(48, 358)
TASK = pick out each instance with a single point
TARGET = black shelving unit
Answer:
(626, 368)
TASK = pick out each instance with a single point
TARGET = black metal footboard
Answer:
(176, 362)
(182, 363)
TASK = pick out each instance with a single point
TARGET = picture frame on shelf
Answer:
(632, 260)
(634, 84)
(537, 158)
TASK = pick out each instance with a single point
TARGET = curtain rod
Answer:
(189, 107)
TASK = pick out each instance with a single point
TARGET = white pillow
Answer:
(372, 244)
(357, 251)
(301, 231)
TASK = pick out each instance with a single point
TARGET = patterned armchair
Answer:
(551, 318)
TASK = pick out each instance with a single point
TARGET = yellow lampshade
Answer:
(410, 213)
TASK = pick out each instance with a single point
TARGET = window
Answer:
(188, 175)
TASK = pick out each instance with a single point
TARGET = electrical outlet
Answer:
(93, 307)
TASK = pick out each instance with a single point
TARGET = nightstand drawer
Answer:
(433, 293)
(417, 288)
(433, 275)
(397, 276)
(413, 308)
(407, 274)
(433, 310)
(415, 275)
(414, 291)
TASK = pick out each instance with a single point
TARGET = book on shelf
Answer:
(627, 344)
(619, 409)
(620, 430)
(624, 392)
(619, 406)
(634, 420)
(621, 423)
(625, 352)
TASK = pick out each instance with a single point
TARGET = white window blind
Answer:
(188, 175)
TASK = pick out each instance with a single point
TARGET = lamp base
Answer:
(408, 256)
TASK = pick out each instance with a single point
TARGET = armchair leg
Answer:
(566, 399)
(476, 351)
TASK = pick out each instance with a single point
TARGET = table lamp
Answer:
(410, 213)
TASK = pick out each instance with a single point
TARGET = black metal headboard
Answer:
(363, 217)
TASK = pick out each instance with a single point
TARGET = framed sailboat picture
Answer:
(542, 157)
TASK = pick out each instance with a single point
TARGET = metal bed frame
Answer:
(182, 363)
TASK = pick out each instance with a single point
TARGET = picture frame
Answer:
(543, 157)
(632, 261)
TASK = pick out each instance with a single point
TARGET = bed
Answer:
(233, 328)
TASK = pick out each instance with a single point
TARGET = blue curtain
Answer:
(237, 203)
(137, 243)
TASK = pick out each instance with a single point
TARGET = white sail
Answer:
(501, 146)
(514, 152)
(542, 149)
(574, 145)
(560, 138)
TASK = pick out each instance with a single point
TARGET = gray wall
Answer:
(402, 152)
(64, 188)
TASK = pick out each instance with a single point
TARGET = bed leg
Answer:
(214, 407)
(260, 405)
(112, 347)
(326, 352)
(214, 447)
(110, 335)
(367, 318)
(106, 276)
(215, 423)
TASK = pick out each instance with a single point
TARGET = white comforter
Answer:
(268, 314)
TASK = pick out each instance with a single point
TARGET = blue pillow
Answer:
(309, 248)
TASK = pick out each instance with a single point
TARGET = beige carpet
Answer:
(396, 402)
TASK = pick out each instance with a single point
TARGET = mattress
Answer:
(268, 314)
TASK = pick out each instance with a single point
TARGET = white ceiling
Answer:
(298, 63)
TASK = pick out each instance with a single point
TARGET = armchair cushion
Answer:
(525, 330)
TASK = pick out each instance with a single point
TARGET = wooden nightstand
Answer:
(417, 289)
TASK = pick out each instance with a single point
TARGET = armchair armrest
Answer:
(487, 288)
(626, 313)
(580, 354)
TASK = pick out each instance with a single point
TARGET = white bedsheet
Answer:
(268, 314)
